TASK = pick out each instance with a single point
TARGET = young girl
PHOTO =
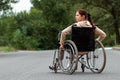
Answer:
(83, 19)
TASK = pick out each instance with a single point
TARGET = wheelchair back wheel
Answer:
(97, 59)
(69, 62)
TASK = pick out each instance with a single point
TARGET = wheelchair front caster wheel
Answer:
(83, 67)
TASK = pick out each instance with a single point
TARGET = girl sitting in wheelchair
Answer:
(83, 20)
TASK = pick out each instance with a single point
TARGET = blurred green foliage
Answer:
(38, 29)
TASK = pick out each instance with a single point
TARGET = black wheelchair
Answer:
(82, 40)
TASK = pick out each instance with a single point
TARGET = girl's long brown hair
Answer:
(87, 15)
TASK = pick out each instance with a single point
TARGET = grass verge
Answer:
(117, 46)
(6, 48)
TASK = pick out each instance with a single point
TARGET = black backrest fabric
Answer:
(83, 37)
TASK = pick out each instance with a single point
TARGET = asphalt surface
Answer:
(33, 65)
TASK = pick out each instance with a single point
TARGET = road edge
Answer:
(116, 48)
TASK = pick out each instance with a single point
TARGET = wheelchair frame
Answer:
(93, 60)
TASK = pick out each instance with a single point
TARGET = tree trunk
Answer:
(117, 33)
(115, 24)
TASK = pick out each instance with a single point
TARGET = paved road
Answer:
(33, 65)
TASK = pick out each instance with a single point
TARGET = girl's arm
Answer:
(63, 35)
(101, 34)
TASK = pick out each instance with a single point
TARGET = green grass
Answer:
(117, 46)
(6, 48)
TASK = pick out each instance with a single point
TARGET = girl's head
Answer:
(82, 15)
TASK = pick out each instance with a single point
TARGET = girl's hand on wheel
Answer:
(61, 47)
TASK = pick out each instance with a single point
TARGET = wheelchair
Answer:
(82, 40)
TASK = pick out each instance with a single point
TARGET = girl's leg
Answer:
(82, 53)
(62, 54)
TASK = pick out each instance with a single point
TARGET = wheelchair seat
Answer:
(84, 38)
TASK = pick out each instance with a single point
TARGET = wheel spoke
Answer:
(97, 59)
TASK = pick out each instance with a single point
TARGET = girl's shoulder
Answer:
(83, 24)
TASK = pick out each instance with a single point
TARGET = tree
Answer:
(112, 7)
(55, 17)
(5, 5)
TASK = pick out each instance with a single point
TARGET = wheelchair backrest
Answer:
(83, 37)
